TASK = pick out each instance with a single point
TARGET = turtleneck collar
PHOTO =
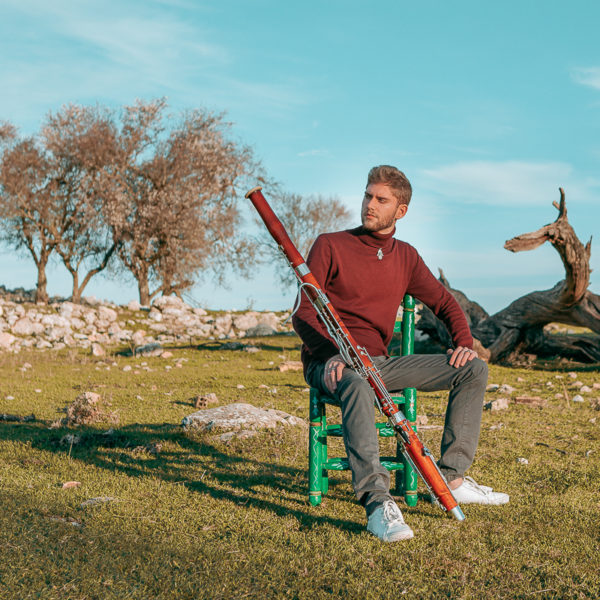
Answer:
(374, 238)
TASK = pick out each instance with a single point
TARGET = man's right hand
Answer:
(333, 372)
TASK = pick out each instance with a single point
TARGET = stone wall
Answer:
(94, 324)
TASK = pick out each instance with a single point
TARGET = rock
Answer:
(596, 386)
(290, 365)
(168, 301)
(98, 350)
(134, 306)
(200, 312)
(522, 461)
(578, 398)
(585, 389)
(96, 501)
(246, 321)
(26, 326)
(87, 409)
(70, 484)
(6, 340)
(138, 337)
(506, 389)
(497, 404)
(239, 416)
(492, 387)
(155, 315)
(531, 400)
(152, 349)
(166, 354)
(260, 330)
(572, 375)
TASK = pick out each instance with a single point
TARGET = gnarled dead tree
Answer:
(519, 328)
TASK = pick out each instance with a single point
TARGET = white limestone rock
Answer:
(239, 416)
(26, 326)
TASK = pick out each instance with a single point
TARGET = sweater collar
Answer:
(373, 238)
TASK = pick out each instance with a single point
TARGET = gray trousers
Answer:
(427, 373)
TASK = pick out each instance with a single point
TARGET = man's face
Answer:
(380, 209)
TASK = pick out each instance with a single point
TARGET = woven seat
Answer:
(319, 461)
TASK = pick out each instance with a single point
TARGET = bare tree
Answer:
(27, 194)
(174, 198)
(304, 219)
(82, 142)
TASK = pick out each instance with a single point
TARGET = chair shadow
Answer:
(247, 476)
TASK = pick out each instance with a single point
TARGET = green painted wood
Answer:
(320, 463)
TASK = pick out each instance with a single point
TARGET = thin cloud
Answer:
(588, 76)
(508, 183)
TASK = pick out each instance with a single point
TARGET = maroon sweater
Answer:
(366, 292)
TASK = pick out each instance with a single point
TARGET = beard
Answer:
(377, 224)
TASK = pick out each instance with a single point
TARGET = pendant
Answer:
(379, 254)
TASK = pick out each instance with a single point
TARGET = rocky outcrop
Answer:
(94, 325)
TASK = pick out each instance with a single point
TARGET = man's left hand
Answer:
(461, 356)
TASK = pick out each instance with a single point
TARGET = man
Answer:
(366, 272)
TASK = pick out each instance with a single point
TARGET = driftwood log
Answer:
(521, 328)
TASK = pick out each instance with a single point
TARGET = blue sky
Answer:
(487, 107)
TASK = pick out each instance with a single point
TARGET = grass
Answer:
(207, 519)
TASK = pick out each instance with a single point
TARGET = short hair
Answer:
(393, 177)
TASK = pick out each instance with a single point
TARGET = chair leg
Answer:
(315, 450)
(410, 475)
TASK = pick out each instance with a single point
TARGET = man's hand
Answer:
(461, 356)
(333, 372)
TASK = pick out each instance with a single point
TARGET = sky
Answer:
(487, 107)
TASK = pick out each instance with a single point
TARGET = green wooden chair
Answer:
(319, 461)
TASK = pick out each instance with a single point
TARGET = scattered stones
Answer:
(497, 404)
(578, 398)
(584, 389)
(522, 461)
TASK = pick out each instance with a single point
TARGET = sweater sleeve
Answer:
(424, 286)
(306, 322)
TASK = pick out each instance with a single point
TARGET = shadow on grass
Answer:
(236, 478)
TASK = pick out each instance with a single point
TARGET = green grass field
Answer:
(193, 517)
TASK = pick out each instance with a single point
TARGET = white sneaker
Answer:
(470, 492)
(386, 522)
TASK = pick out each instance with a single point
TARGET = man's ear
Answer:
(401, 211)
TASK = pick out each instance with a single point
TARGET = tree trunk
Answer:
(143, 286)
(519, 328)
(41, 292)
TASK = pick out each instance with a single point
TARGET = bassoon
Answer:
(358, 359)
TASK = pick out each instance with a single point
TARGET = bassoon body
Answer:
(358, 359)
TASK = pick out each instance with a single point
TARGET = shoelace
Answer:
(391, 512)
(482, 490)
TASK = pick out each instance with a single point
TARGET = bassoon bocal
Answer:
(358, 359)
